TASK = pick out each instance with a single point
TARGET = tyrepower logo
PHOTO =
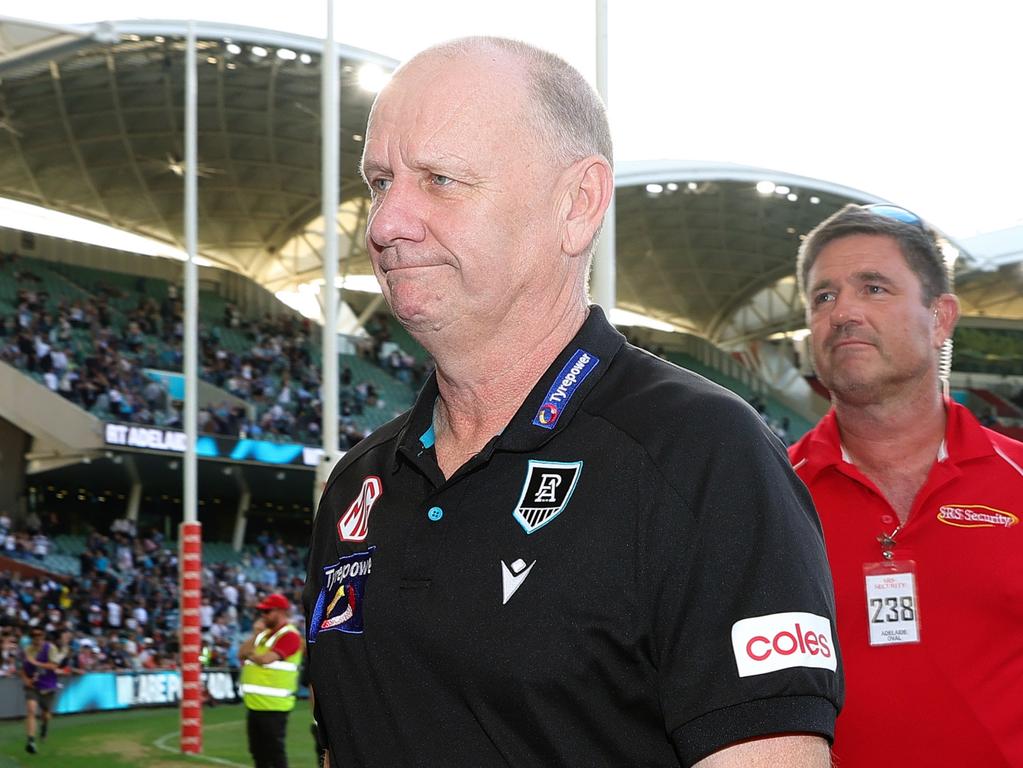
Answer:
(765, 644)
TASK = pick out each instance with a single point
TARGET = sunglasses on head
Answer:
(889, 211)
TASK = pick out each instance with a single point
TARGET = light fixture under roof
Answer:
(814, 200)
(792, 197)
(672, 186)
(781, 189)
(765, 187)
(286, 54)
(654, 189)
(260, 51)
(234, 48)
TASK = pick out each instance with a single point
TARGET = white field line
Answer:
(161, 743)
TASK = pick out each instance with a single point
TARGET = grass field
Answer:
(147, 737)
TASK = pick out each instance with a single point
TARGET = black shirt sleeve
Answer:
(736, 537)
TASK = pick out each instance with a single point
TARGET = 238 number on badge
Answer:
(893, 613)
(885, 609)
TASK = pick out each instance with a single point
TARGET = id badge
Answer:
(893, 615)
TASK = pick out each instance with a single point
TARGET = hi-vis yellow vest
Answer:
(271, 687)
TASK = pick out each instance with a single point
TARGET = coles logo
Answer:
(353, 525)
(765, 644)
(975, 516)
(547, 414)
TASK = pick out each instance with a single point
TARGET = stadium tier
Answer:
(99, 339)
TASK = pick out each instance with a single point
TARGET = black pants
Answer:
(266, 738)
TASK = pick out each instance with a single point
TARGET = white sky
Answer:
(916, 102)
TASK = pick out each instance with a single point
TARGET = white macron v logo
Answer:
(512, 577)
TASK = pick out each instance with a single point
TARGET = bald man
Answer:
(569, 552)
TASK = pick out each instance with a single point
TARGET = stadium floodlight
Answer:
(765, 187)
(372, 78)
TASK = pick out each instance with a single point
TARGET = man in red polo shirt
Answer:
(920, 505)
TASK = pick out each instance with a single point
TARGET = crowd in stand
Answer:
(122, 612)
(378, 346)
(275, 379)
(30, 542)
(107, 379)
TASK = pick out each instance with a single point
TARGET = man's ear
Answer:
(946, 315)
(589, 186)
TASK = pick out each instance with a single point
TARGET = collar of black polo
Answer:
(550, 405)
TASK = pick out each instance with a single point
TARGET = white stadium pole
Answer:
(331, 140)
(190, 534)
(602, 283)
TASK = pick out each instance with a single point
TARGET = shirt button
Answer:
(435, 514)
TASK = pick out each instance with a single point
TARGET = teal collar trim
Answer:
(428, 438)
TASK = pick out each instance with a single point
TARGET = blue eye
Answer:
(441, 180)
(380, 185)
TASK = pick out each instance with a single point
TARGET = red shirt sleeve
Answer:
(287, 644)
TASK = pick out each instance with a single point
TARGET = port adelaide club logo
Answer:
(545, 492)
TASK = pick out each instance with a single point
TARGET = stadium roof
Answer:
(91, 123)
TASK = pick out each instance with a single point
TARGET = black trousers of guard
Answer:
(266, 738)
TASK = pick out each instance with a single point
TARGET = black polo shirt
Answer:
(628, 575)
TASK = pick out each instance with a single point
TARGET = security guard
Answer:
(271, 659)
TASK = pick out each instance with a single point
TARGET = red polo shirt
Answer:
(956, 697)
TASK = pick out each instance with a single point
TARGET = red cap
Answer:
(276, 600)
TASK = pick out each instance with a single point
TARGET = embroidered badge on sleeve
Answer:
(339, 605)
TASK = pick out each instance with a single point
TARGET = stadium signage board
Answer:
(145, 438)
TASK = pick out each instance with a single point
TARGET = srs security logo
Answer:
(975, 516)
(765, 644)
